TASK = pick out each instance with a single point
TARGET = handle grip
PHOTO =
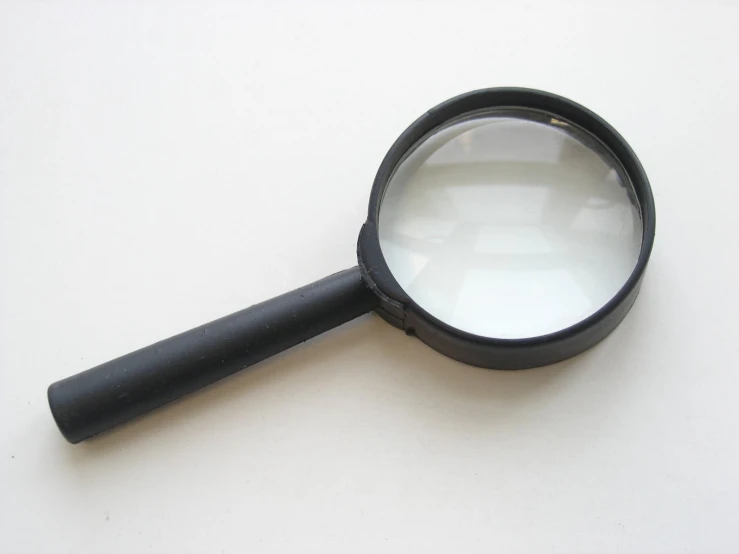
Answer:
(122, 389)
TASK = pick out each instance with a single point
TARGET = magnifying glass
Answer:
(507, 228)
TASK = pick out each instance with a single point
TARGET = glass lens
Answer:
(510, 223)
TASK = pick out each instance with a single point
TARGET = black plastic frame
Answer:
(399, 309)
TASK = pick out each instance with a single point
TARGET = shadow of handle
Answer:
(117, 391)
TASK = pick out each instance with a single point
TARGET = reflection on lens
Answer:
(510, 224)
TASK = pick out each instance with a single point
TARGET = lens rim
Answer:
(402, 311)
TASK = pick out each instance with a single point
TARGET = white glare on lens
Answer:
(510, 225)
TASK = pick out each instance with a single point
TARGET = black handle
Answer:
(117, 391)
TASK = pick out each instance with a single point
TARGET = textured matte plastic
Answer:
(117, 391)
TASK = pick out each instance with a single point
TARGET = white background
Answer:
(163, 164)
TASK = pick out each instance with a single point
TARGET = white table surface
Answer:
(163, 164)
